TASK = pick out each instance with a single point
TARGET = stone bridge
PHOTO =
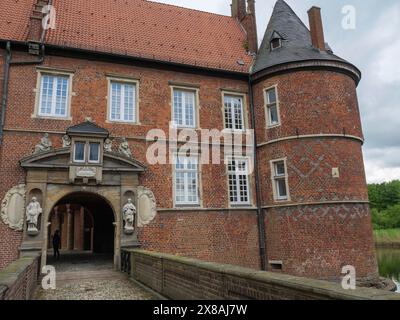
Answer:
(149, 276)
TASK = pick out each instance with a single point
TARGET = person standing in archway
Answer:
(56, 244)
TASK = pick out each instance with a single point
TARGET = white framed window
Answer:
(79, 152)
(272, 107)
(54, 95)
(276, 43)
(123, 103)
(238, 175)
(233, 112)
(184, 108)
(186, 180)
(94, 152)
(280, 180)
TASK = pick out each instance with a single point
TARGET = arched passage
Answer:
(86, 223)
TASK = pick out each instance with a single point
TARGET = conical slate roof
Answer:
(296, 41)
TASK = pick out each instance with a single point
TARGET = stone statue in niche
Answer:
(33, 211)
(124, 148)
(44, 145)
(128, 213)
(66, 140)
(108, 145)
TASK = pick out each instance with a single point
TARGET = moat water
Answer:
(389, 264)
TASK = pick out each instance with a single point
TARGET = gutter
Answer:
(260, 210)
(5, 88)
(7, 66)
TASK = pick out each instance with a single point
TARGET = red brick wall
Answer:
(224, 237)
(326, 224)
(317, 241)
(311, 102)
(20, 279)
(229, 237)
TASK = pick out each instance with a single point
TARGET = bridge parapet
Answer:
(18, 280)
(182, 278)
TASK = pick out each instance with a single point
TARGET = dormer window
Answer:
(276, 41)
(79, 152)
(276, 44)
(94, 152)
(83, 149)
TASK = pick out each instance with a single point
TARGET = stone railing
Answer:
(183, 278)
(19, 279)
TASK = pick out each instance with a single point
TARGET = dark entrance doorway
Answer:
(86, 224)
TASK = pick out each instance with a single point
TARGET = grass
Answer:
(387, 237)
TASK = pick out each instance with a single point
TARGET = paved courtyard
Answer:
(91, 277)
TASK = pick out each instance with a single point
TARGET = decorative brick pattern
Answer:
(317, 241)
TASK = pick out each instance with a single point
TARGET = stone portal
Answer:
(81, 189)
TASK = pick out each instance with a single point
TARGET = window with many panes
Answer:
(53, 99)
(238, 174)
(122, 104)
(280, 180)
(233, 112)
(184, 105)
(186, 180)
(272, 107)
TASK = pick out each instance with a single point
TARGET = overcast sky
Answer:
(374, 47)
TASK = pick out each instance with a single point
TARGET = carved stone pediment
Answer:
(13, 207)
(61, 159)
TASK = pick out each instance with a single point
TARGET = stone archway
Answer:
(52, 175)
(86, 223)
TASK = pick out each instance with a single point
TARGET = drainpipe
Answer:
(5, 88)
(7, 66)
(260, 212)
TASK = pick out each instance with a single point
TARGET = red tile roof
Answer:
(137, 28)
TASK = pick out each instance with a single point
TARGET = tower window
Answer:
(280, 180)
(272, 108)
(276, 43)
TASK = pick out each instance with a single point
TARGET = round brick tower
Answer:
(309, 137)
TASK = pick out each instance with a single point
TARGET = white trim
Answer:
(274, 180)
(310, 136)
(136, 103)
(39, 90)
(285, 205)
(244, 111)
(99, 153)
(84, 152)
(267, 105)
(196, 107)
(236, 173)
(196, 203)
(280, 44)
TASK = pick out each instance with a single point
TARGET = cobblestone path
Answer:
(87, 277)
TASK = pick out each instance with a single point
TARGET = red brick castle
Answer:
(79, 99)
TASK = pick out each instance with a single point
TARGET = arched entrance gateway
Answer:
(85, 222)
(85, 190)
